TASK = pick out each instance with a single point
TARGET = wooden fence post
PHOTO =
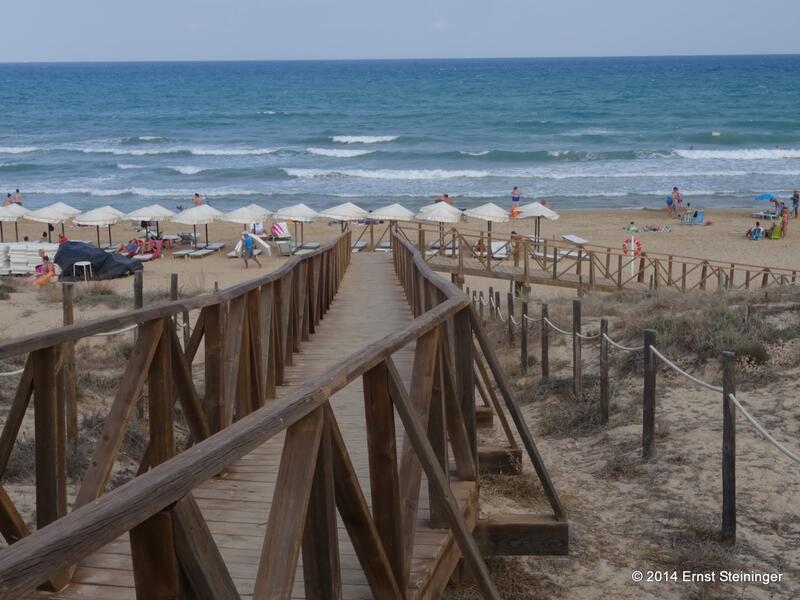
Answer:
(138, 291)
(480, 307)
(728, 449)
(577, 366)
(604, 392)
(68, 369)
(649, 397)
(492, 306)
(510, 304)
(545, 346)
(496, 304)
(523, 339)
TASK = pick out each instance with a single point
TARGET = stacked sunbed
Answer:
(21, 258)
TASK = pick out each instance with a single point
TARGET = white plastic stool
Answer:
(87, 269)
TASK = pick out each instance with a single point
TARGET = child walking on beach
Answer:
(248, 250)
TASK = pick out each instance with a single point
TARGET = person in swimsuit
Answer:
(677, 199)
(8, 200)
(198, 200)
(18, 197)
(446, 199)
(795, 202)
(516, 194)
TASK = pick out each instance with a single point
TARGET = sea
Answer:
(579, 132)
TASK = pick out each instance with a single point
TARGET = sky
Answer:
(115, 30)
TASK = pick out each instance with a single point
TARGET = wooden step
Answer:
(500, 459)
(522, 535)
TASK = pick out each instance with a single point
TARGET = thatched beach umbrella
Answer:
(252, 213)
(12, 212)
(105, 216)
(57, 213)
(154, 212)
(440, 213)
(198, 215)
(392, 213)
(538, 211)
(491, 213)
(298, 213)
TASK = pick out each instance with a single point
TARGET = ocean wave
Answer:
(743, 154)
(126, 167)
(390, 174)
(17, 149)
(338, 152)
(189, 170)
(477, 153)
(201, 151)
(363, 139)
(144, 192)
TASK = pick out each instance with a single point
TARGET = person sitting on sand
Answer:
(130, 249)
(198, 200)
(756, 232)
(249, 250)
(44, 271)
(632, 228)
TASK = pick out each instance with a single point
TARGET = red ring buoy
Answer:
(632, 244)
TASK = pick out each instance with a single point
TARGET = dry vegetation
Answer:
(662, 514)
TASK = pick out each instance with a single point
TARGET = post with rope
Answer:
(491, 303)
(577, 366)
(604, 391)
(649, 396)
(728, 449)
(545, 344)
(474, 298)
(497, 313)
(480, 309)
(510, 304)
(523, 339)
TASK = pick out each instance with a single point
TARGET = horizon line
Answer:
(398, 59)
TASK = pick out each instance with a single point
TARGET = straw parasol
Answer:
(299, 213)
(491, 213)
(198, 215)
(392, 212)
(105, 216)
(154, 212)
(58, 213)
(12, 212)
(252, 213)
(441, 213)
(538, 211)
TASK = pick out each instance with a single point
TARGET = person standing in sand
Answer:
(516, 194)
(18, 197)
(198, 200)
(248, 250)
(677, 199)
(795, 202)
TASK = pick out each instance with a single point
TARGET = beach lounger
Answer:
(358, 246)
(384, 246)
(285, 247)
(574, 239)
(200, 253)
(499, 250)
(143, 257)
(687, 219)
(182, 253)
(214, 246)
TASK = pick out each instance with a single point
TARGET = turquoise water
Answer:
(579, 132)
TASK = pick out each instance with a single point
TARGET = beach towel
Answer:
(280, 230)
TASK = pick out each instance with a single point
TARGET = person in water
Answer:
(446, 199)
(198, 200)
(516, 194)
(18, 197)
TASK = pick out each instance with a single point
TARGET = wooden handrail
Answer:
(70, 333)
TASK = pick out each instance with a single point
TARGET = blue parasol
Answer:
(766, 197)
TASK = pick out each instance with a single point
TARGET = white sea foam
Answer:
(200, 151)
(363, 139)
(145, 192)
(716, 133)
(391, 174)
(478, 153)
(149, 138)
(125, 166)
(743, 154)
(338, 152)
(266, 112)
(188, 170)
(232, 151)
(17, 149)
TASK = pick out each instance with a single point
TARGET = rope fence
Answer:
(652, 356)
(12, 373)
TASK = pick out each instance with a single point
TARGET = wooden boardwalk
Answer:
(370, 305)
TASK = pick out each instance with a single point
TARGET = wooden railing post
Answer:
(510, 306)
(523, 339)
(497, 305)
(68, 366)
(649, 396)
(544, 330)
(138, 289)
(577, 364)
(604, 383)
(492, 305)
(728, 449)
(465, 382)
(480, 307)
(214, 368)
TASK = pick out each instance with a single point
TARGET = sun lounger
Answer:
(200, 253)
(688, 218)
(574, 239)
(384, 246)
(214, 246)
(499, 250)
(358, 246)
(182, 253)
(143, 257)
(285, 247)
